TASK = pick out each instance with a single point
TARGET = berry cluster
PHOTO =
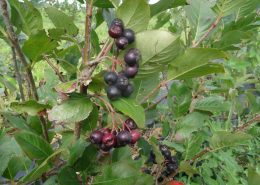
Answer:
(118, 84)
(170, 161)
(107, 139)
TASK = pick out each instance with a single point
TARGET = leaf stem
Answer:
(55, 69)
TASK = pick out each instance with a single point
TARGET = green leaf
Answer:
(91, 122)
(132, 109)
(41, 169)
(25, 16)
(187, 168)
(145, 85)
(8, 83)
(190, 123)
(16, 121)
(213, 104)
(135, 14)
(223, 139)
(196, 62)
(31, 107)
(163, 48)
(253, 176)
(34, 146)
(61, 20)
(179, 98)
(77, 150)
(123, 172)
(72, 110)
(238, 7)
(120, 154)
(200, 16)
(163, 5)
(16, 165)
(8, 149)
(193, 146)
(103, 4)
(66, 87)
(68, 176)
(178, 147)
(38, 45)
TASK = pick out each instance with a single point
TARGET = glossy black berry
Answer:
(121, 43)
(130, 124)
(173, 160)
(128, 91)
(130, 35)
(118, 22)
(115, 31)
(131, 71)
(122, 82)
(113, 93)
(132, 57)
(123, 138)
(163, 148)
(167, 154)
(96, 137)
(110, 78)
(171, 167)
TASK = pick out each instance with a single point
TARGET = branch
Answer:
(18, 74)
(15, 44)
(212, 27)
(156, 103)
(242, 127)
(55, 69)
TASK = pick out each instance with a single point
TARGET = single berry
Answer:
(109, 140)
(105, 130)
(171, 167)
(115, 31)
(131, 71)
(130, 124)
(121, 43)
(118, 22)
(123, 138)
(128, 91)
(132, 57)
(173, 182)
(160, 179)
(163, 148)
(113, 93)
(167, 154)
(110, 78)
(130, 35)
(135, 136)
(96, 137)
(104, 147)
(173, 160)
(122, 82)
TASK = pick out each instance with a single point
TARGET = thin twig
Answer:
(55, 69)
(18, 74)
(157, 102)
(212, 27)
(242, 127)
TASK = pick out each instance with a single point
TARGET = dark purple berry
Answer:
(132, 57)
(115, 31)
(135, 136)
(105, 148)
(96, 137)
(167, 154)
(113, 93)
(110, 78)
(123, 138)
(118, 22)
(171, 167)
(109, 140)
(130, 124)
(121, 43)
(130, 35)
(131, 71)
(173, 160)
(163, 148)
(122, 82)
(128, 91)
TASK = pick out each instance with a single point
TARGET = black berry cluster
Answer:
(118, 83)
(106, 139)
(171, 162)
